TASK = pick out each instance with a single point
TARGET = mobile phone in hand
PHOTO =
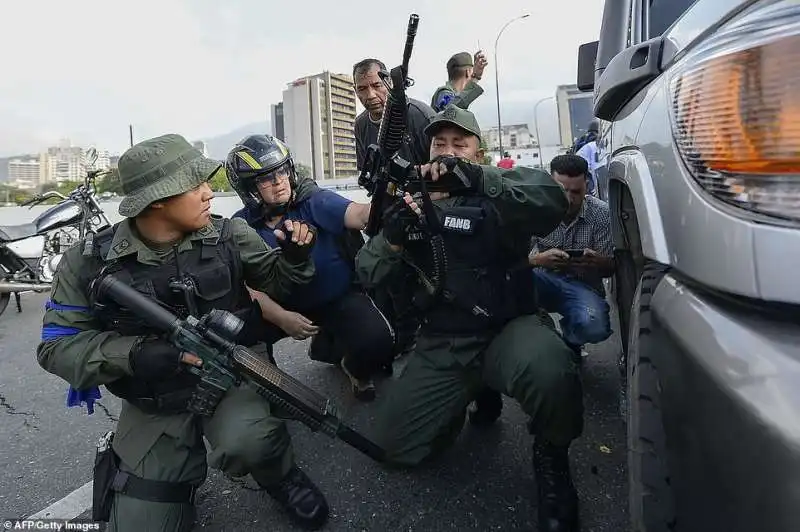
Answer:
(574, 253)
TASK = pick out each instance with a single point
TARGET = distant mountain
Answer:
(219, 146)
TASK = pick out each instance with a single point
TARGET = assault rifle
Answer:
(387, 176)
(226, 364)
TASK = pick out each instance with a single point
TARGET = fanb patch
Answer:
(461, 219)
(458, 225)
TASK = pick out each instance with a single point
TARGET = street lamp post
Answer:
(497, 80)
(536, 127)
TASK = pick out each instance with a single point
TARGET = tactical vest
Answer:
(214, 266)
(486, 281)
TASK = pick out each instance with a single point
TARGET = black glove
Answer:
(294, 253)
(461, 176)
(154, 359)
(396, 220)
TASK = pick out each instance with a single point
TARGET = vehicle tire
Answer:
(5, 297)
(651, 502)
(625, 280)
(623, 288)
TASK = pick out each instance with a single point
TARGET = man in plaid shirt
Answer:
(571, 262)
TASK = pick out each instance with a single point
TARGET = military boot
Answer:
(303, 501)
(487, 407)
(558, 499)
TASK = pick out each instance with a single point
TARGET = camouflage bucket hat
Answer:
(159, 168)
(456, 116)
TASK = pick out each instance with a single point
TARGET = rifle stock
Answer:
(225, 364)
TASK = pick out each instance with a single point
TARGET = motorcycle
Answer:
(75, 217)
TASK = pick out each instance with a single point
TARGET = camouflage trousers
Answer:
(422, 412)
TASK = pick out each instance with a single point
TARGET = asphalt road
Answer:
(485, 483)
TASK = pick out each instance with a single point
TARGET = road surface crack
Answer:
(103, 407)
(12, 411)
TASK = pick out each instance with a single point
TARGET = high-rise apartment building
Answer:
(24, 173)
(276, 118)
(575, 111)
(103, 161)
(318, 116)
(63, 163)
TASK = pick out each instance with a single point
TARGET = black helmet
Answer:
(257, 158)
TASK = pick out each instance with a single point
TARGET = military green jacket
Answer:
(73, 346)
(529, 203)
(445, 95)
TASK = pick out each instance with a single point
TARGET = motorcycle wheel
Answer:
(5, 297)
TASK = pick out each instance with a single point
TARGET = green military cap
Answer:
(158, 168)
(461, 59)
(456, 116)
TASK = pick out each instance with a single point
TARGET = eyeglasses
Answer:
(272, 178)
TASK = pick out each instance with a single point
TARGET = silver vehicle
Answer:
(700, 102)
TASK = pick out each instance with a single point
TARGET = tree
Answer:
(220, 183)
(110, 182)
(12, 194)
(302, 170)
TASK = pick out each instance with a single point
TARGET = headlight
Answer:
(736, 110)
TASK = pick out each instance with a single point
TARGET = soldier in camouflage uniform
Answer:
(463, 75)
(483, 329)
(161, 457)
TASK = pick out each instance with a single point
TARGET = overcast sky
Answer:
(85, 69)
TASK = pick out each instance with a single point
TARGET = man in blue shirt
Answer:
(331, 307)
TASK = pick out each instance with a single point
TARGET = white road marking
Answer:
(70, 506)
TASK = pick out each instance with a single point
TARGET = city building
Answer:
(318, 116)
(516, 136)
(529, 157)
(103, 161)
(63, 163)
(575, 111)
(276, 119)
(24, 173)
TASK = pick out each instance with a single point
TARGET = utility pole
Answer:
(536, 127)
(497, 80)
(130, 133)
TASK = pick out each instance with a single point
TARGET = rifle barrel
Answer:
(153, 313)
(411, 32)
